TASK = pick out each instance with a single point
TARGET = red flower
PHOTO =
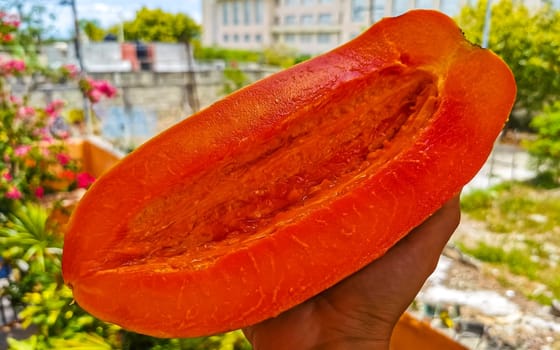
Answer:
(63, 158)
(39, 192)
(67, 175)
(53, 108)
(13, 193)
(84, 180)
(8, 37)
(7, 176)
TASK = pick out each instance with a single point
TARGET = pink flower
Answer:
(7, 176)
(84, 180)
(16, 100)
(54, 108)
(25, 112)
(13, 193)
(105, 88)
(63, 158)
(70, 69)
(11, 20)
(62, 134)
(12, 66)
(96, 89)
(39, 192)
(94, 95)
(22, 150)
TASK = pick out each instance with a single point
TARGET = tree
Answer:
(158, 25)
(93, 30)
(529, 42)
(545, 147)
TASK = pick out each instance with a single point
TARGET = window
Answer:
(259, 11)
(235, 12)
(359, 10)
(225, 13)
(236, 38)
(378, 11)
(246, 38)
(246, 12)
(307, 20)
(325, 1)
(324, 38)
(399, 7)
(307, 2)
(290, 20)
(325, 18)
(290, 2)
(226, 38)
(450, 7)
(306, 38)
(258, 38)
(289, 38)
(424, 4)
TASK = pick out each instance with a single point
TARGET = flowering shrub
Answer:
(95, 90)
(33, 153)
(35, 160)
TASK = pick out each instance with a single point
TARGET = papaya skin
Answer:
(284, 188)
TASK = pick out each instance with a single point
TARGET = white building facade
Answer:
(307, 26)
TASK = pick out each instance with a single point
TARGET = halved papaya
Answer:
(287, 186)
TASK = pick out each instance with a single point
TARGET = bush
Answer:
(545, 148)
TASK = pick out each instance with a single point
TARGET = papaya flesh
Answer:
(282, 189)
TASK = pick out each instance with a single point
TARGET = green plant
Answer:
(514, 206)
(527, 41)
(234, 79)
(26, 236)
(518, 261)
(545, 148)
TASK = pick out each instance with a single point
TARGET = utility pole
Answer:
(79, 56)
(487, 21)
(371, 12)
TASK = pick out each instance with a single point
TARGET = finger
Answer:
(404, 268)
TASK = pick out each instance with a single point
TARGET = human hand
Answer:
(361, 311)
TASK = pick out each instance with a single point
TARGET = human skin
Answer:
(361, 311)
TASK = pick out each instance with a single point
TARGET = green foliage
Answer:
(93, 30)
(533, 215)
(517, 260)
(230, 55)
(158, 25)
(520, 261)
(26, 236)
(234, 79)
(545, 148)
(529, 44)
(279, 55)
(228, 341)
(514, 207)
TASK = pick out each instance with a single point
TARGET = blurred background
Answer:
(85, 82)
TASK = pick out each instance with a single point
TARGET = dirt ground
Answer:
(482, 306)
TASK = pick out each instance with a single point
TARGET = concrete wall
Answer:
(158, 98)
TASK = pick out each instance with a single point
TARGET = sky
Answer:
(109, 12)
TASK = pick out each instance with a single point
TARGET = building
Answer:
(308, 26)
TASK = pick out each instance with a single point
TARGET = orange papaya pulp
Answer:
(285, 187)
